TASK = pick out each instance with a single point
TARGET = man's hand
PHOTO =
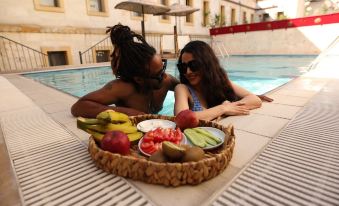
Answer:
(265, 98)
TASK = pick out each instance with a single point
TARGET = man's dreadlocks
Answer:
(130, 58)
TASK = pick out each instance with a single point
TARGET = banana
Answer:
(111, 116)
(125, 128)
(97, 135)
(88, 120)
(109, 120)
(135, 137)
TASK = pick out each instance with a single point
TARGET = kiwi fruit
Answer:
(193, 154)
(172, 151)
(158, 156)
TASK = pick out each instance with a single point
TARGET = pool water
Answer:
(258, 74)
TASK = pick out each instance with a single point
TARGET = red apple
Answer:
(116, 142)
(186, 119)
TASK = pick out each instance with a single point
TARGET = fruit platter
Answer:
(158, 149)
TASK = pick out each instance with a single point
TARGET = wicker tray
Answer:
(137, 167)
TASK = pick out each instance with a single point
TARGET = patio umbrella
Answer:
(143, 7)
(178, 10)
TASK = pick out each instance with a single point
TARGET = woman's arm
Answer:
(249, 100)
(182, 103)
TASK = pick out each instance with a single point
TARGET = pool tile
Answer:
(306, 84)
(257, 124)
(277, 110)
(247, 146)
(289, 100)
(56, 107)
(296, 93)
(186, 195)
(63, 117)
(9, 194)
(72, 127)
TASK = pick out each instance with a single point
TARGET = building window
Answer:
(189, 18)
(164, 18)
(222, 16)
(244, 18)
(58, 55)
(266, 17)
(97, 7)
(233, 22)
(57, 58)
(252, 18)
(281, 15)
(49, 5)
(102, 56)
(206, 13)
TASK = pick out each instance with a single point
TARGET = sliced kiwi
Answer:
(158, 156)
(172, 151)
(193, 154)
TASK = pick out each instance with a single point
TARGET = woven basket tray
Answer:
(137, 167)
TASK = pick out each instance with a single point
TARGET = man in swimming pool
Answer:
(141, 83)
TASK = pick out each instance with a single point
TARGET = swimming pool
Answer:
(258, 74)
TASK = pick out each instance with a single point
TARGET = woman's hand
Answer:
(235, 108)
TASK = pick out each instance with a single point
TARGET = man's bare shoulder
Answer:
(118, 84)
(170, 81)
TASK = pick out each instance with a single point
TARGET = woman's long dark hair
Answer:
(216, 86)
(129, 58)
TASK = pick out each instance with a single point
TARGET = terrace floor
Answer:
(23, 99)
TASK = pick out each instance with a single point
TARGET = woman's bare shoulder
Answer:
(181, 87)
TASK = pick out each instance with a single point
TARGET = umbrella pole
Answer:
(143, 23)
(175, 38)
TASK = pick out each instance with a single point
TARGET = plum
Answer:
(116, 142)
(186, 119)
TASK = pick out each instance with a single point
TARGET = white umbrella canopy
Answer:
(143, 7)
(178, 10)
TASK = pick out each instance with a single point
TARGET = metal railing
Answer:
(16, 57)
(323, 54)
(219, 47)
(155, 39)
(89, 55)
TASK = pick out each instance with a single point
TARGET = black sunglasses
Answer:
(160, 76)
(194, 66)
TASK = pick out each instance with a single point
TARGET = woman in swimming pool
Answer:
(205, 87)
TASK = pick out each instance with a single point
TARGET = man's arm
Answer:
(95, 102)
(265, 98)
